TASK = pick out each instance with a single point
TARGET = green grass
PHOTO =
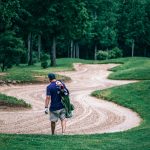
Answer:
(135, 96)
(136, 68)
(27, 74)
(12, 101)
(118, 141)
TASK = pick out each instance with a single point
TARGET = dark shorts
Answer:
(58, 114)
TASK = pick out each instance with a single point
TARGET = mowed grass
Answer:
(12, 101)
(35, 73)
(131, 140)
(135, 96)
(136, 68)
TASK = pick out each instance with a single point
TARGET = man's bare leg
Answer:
(63, 125)
(53, 127)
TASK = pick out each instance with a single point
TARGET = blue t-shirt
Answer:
(52, 90)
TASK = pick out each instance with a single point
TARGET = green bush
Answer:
(44, 64)
(115, 53)
(9, 65)
(44, 57)
(35, 58)
(102, 55)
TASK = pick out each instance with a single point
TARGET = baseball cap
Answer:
(51, 76)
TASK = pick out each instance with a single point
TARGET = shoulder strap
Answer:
(64, 86)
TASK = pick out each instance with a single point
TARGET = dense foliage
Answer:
(114, 53)
(75, 28)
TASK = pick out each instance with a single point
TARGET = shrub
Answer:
(102, 55)
(44, 64)
(35, 57)
(44, 57)
(115, 53)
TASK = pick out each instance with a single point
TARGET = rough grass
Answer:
(12, 101)
(34, 74)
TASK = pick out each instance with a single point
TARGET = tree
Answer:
(75, 24)
(131, 28)
(27, 23)
(49, 20)
(80, 27)
(122, 21)
(135, 24)
(8, 11)
(103, 19)
(146, 39)
(11, 49)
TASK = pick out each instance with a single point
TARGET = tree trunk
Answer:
(30, 49)
(95, 52)
(145, 52)
(133, 45)
(107, 53)
(74, 50)
(68, 51)
(71, 49)
(39, 47)
(53, 52)
(77, 50)
(87, 54)
(29, 45)
(3, 66)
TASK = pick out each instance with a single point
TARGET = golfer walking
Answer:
(54, 104)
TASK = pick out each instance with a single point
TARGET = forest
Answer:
(37, 31)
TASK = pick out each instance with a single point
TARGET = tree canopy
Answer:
(75, 28)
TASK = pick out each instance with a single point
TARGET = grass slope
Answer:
(136, 68)
(12, 101)
(135, 96)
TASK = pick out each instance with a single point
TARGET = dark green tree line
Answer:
(75, 28)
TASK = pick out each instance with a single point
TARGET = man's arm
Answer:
(47, 101)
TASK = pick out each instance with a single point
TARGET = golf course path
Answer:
(91, 115)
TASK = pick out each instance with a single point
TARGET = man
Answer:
(57, 110)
